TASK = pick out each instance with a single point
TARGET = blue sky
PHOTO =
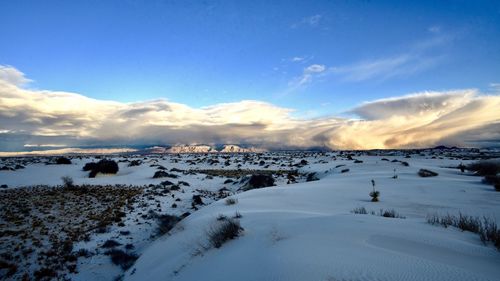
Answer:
(339, 74)
(205, 52)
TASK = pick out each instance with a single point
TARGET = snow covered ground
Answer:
(302, 231)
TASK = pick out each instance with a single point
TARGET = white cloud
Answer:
(297, 59)
(315, 68)
(419, 120)
(12, 76)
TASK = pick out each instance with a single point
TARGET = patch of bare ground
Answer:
(39, 225)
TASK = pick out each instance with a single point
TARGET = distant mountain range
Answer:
(202, 148)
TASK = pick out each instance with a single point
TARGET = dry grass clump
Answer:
(485, 227)
(226, 229)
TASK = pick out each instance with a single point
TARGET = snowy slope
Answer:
(307, 232)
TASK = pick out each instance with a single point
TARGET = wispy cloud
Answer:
(402, 65)
(419, 57)
(306, 77)
(434, 29)
(310, 21)
(297, 59)
(30, 117)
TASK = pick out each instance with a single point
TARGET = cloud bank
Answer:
(38, 117)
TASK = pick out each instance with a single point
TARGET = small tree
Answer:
(67, 181)
(375, 193)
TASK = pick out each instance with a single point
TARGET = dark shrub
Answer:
(166, 223)
(63, 161)
(492, 179)
(45, 273)
(390, 214)
(90, 166)
(358, 161)
(163, 174)
(374, 195)
(67, 182)
(110, 244)
(134, 163)
(10, 269)
(121, 258)
(104, 166)
(260, 181)
(165, 183)
(231, 201)
(224, 231)
(427, 173)
(160, 174)
(360, 210)
(197, 200)
(344, 171)
(484, 168)
(183, 183)
(107, 166)
(312, 177)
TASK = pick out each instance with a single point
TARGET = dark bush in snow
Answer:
(166, 223)
(89, 166)
(231, 201)
(390, 214)
(312, 177)
(197, 200)
(492, 179)
(374, 194)
(160, 174)
(67, 182)
(134, 163)
(260, 181)
(63, 161)
(359, 210)
(427, 173)
(484, 168)
(104, 166)
(121, 258)
(110, 244)
(163, 174)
